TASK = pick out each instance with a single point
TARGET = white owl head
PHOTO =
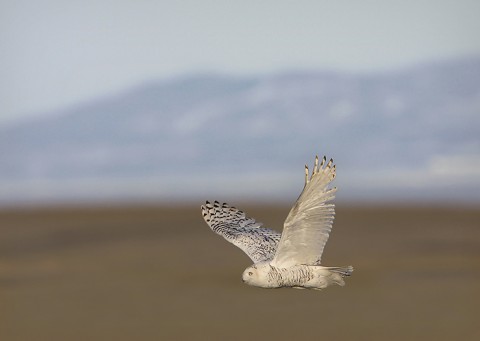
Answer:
(256, 275)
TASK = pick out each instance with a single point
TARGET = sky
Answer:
(57, 53)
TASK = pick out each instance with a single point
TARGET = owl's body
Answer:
(317, 277)
(291, 259)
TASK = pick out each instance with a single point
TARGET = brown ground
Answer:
(153, 273)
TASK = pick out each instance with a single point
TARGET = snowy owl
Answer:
(290, 259)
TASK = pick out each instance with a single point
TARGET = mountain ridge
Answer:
(380, 128)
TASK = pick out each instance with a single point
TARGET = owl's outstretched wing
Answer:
(308, 225)
(257, 242)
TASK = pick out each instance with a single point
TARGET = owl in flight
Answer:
(292, 258)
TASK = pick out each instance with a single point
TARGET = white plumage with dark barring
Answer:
(291, 259)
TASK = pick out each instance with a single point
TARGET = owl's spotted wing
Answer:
(308, 225)
(257, 242)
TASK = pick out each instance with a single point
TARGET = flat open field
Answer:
(156, 273)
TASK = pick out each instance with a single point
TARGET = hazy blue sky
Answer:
(56, 53)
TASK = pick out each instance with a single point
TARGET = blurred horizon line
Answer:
(401, 136)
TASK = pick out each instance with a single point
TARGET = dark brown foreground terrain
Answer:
(153, 273)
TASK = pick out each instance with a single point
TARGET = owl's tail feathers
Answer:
(343, 271)
(338, 273)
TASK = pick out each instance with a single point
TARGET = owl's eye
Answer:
(250, 273)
